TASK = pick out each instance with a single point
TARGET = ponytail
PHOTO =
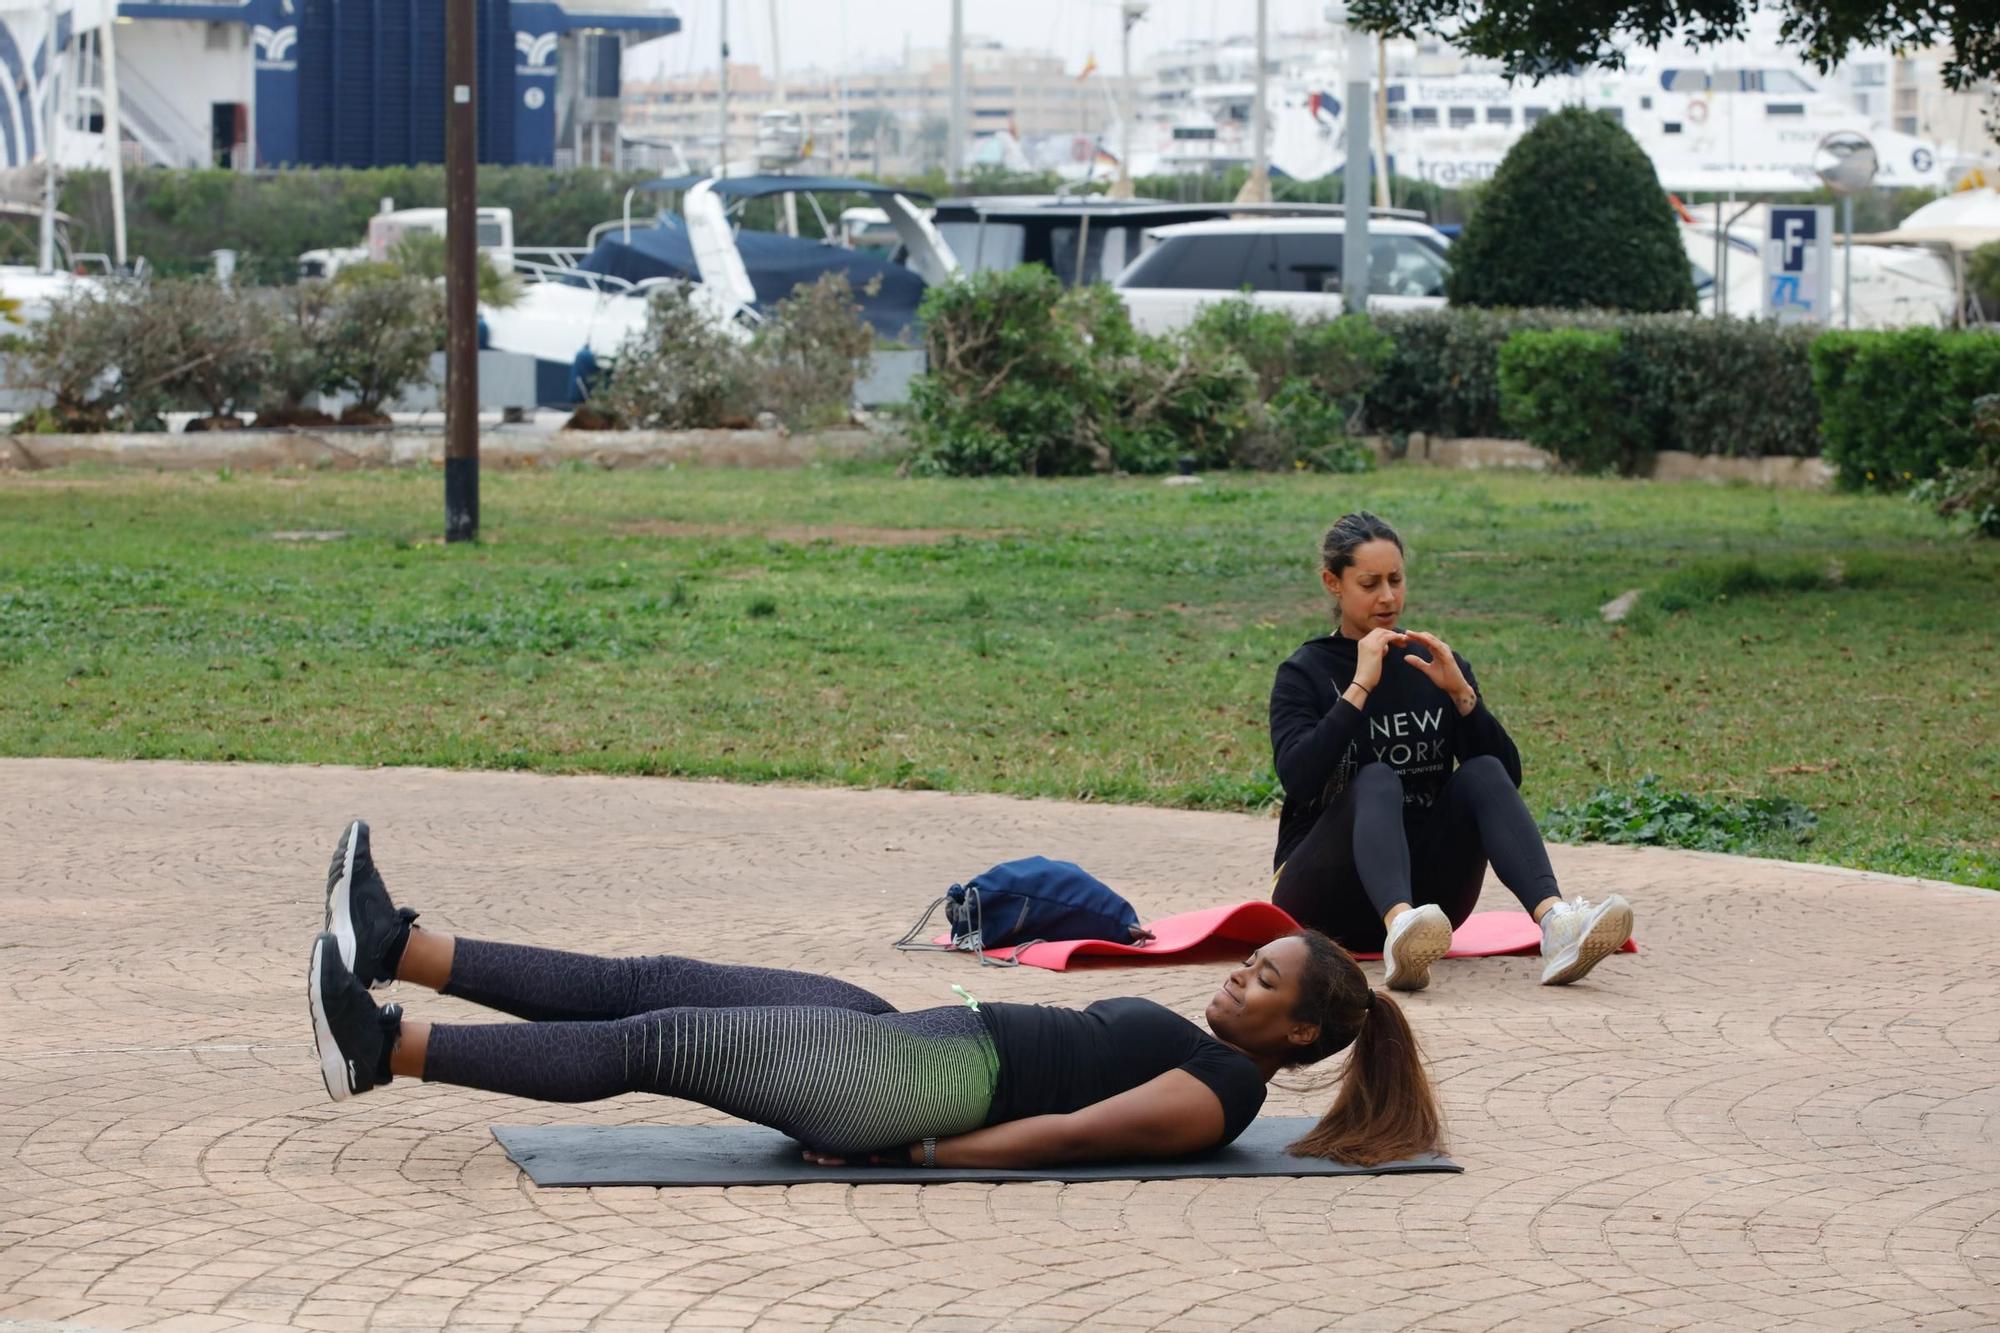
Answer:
(1384, 1109)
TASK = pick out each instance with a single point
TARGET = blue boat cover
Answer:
(776, 264)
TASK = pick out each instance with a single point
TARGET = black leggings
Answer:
(819, 1059)
(1360, 859)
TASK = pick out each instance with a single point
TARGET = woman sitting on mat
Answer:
(840, 1070)
(1400, 786)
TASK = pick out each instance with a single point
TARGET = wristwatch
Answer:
(930, 1152)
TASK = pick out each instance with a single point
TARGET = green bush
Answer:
(1310, 380)
(1559, 389)
(1972, 491)
(1175, 398)
(687, 371)
(1025, 377)
(1014, 383)
(682, 371)
(1896, 407)
(382, 330)
(215, 342)
(70, 358)
(1575, 219)
(124, 358)
(300, 358)
(811, 351)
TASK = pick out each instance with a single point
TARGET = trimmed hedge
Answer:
(1737, 388)
(1560, 389)
(175, 218)
(1897, 406)
(1732, 388)
(1443, 372)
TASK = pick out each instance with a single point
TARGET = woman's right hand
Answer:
(1368, 655)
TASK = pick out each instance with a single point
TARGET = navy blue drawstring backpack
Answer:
(1026, 902)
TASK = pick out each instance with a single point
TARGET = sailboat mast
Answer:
(722, 101)
(50, 114)
(955, 151)
(1382, 121)
(114, 133)
(1260, 112)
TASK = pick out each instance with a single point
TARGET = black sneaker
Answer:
(369, 928)
(353, 1036)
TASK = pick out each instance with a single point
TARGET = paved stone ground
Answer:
(1783, 1113)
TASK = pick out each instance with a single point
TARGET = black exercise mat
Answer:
(681, 1155)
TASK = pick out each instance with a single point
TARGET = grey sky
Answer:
(816, 32)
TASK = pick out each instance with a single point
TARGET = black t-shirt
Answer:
(1319, 740)
(1054, 1061)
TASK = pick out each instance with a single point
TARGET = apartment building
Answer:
(892, 120)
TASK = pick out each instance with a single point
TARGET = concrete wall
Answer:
(256, 450)
(1475, 453)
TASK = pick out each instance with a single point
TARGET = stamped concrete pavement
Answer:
(1784, 1112)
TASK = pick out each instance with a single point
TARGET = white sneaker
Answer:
(1577, 936)
(1419, 938)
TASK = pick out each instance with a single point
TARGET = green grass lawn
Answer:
(1096, 639)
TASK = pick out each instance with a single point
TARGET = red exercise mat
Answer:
(1484, 935)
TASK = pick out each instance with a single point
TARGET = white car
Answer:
(1290, 264)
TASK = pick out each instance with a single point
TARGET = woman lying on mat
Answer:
(1400, 786)
(840, 1070)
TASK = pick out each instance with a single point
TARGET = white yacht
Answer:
(1744, 117)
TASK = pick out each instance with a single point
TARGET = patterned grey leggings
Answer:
(816, 1058)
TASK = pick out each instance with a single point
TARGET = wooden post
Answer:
(461, 280)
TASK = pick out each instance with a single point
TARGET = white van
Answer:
(1290, 264)
(494, 236)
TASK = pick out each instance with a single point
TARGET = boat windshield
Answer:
(993, 245)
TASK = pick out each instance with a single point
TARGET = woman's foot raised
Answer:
(1417, 938)
(1578, 935)
(368, 928)
(354, 1037)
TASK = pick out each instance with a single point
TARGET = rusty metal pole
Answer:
(461, 275)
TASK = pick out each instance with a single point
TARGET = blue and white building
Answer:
(271, 83)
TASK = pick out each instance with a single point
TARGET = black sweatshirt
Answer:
(1319, 740)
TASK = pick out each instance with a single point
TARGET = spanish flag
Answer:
(1089, 68)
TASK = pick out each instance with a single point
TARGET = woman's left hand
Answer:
(1443, 670)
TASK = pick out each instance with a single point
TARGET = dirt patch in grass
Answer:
(840, 534)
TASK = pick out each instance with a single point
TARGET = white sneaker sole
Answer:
(1606, 936)
(332, 1064)
(1422, 943)
(339, 914)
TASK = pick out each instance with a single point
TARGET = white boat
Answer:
(1893, 286)
(581, 304)
(1744, 117)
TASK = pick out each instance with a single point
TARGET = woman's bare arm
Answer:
(1168, 1116)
